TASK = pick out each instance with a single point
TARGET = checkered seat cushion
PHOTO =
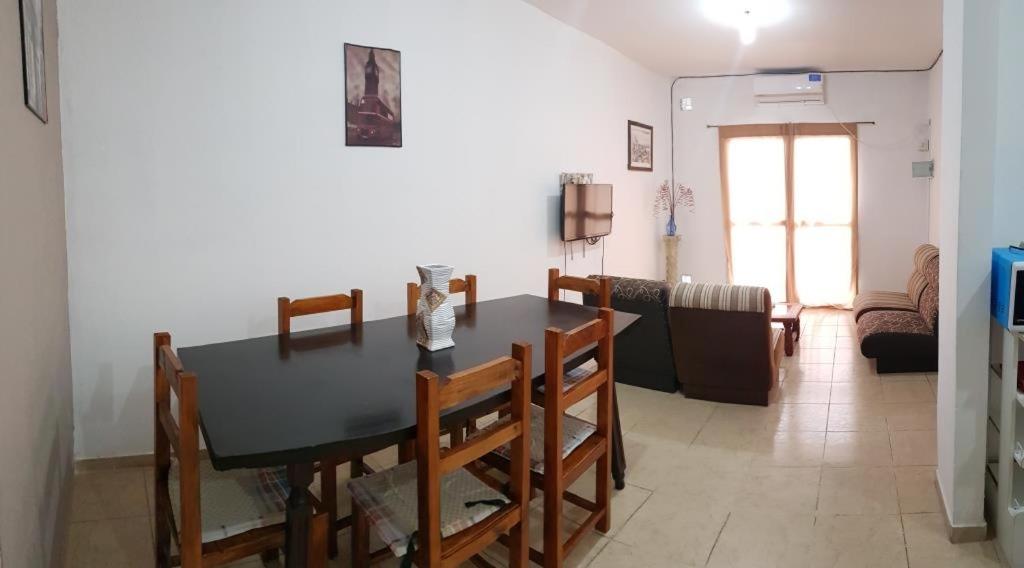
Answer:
(389, 500)
(574, 433)
(573, 377)
(234, 501)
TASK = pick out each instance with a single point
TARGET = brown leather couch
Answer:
(724, 345)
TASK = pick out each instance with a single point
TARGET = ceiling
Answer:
(675, 38)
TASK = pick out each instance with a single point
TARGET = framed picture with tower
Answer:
(373, 96)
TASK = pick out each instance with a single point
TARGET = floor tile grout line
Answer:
(817, 497)
(605, 542)
(702, 426)
(903, 527)
(717, 537)
(633, 514)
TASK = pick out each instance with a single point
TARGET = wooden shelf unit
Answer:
(1004, 479)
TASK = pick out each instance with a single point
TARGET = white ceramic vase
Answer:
(435, 317)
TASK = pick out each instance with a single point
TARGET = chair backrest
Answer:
(560, 345)
(465, 285)
(181, 433)
(600, 287)
(288, 309)
(433, 397)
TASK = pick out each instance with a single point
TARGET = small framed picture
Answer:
(32, 57)
(640, 146)
(373, 93)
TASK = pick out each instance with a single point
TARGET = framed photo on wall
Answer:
(33, 61)
(640, 146)
(373, 96)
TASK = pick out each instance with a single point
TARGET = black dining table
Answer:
(339, 392)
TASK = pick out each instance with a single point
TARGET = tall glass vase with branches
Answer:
(668, 199)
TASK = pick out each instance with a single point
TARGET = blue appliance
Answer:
(1008, 287)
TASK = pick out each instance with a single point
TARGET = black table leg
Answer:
(298, 515)
(618, 451)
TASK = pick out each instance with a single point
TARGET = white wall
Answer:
(207, 173)
(1008, 197)
(935, 113)
(35, 358)
(969, 95)
(893, 208)
(982, 199)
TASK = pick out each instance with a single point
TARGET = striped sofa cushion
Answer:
(923, 254)
(723, 297)
(916, 285)
(873, 301)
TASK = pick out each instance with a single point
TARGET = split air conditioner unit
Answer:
(804, 88)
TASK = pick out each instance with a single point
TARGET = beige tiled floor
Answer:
(838, 471)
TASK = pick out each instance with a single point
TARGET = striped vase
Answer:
(435, 317)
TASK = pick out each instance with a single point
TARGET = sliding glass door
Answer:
(789, 196)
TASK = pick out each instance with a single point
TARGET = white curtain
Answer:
(789, 195)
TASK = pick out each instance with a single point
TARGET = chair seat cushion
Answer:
(573, 377)
(867, 302)
(389, 500)
(574, 432)
(234, 501)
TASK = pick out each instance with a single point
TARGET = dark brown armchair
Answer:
(724, 345)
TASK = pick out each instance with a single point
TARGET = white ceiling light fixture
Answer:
(746, 16)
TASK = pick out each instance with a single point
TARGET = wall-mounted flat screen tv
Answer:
(586, 210)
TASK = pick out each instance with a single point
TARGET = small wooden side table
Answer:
(789, 316)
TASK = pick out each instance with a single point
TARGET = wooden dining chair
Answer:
(600, 287)
(465, 285)
(214, 517)
(286, 310)
(438, 510)
(571, 445)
